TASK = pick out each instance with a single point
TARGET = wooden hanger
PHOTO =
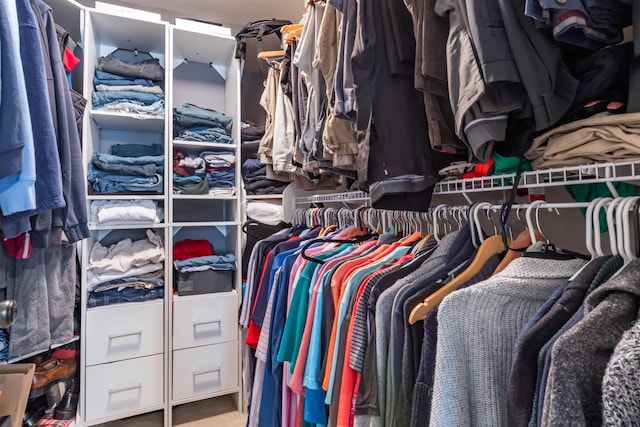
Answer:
(490, 247)
(271, 54)
(272, 57)
(291, 27)
(291, 35)
(519, 246)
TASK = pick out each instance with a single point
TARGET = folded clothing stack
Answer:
(211, 172)
(224, 262)
(112, 212)
(129, 87)
(129, 168)
(127, 271)
(251, 132)
(199, 271)
(129, 289)
(193, 123)
(254, 175)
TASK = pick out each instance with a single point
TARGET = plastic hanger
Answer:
(622, 227)
(634, 204)
(589, 235)
(436, 227)
(612, 225)
(596, 225)
(479, 233)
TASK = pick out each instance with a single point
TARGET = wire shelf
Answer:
(350, 196)
(571, 175)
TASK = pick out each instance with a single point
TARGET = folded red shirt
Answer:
(189, 248)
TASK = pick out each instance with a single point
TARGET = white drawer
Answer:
(204, 370)
(122, 387)
(205, 319)
(124, 332)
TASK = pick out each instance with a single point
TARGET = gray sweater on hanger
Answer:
(620, 387)
(579, 358)
(477, 331)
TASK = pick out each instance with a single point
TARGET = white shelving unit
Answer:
(205, 352)
(148, 356)
(124, 367)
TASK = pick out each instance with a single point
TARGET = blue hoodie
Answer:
(73, 217)
(49, 190)
(17, 189)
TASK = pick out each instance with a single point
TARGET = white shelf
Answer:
(347, 197)
(126, 226)
(572, 175)
(201, 197)
(206, 224)
(197, 46)
(125, 196)
(264, 196)
(128, 122)
(180, 143)
(584, 174)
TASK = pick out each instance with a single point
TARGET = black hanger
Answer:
(550, 251)
(358, 239)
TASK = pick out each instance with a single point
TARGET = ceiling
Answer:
(231, 13)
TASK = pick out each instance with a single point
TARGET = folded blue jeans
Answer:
(114, 296)
(155, 109)
(218, 262)
(141, 160)
(100, 98)
(132, 170)
(181, 180)
(203, 134)
(105, 182)
(103, 75)
(124, 81)
(189, 115)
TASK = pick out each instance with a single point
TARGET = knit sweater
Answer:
(477, 331)
(548, 320)
(579, 358)
(423, 388)
(620, 387)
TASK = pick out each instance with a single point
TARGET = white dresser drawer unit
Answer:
(124, 332)
(124, 387)
(204, 370)
(205, 319)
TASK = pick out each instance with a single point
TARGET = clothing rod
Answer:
(547, 205)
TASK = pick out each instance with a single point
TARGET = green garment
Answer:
(297, 316)
(588, 192)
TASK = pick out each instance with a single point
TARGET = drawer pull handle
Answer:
(129, 334)
(123, 389)
(206, 371)
(207, 322)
